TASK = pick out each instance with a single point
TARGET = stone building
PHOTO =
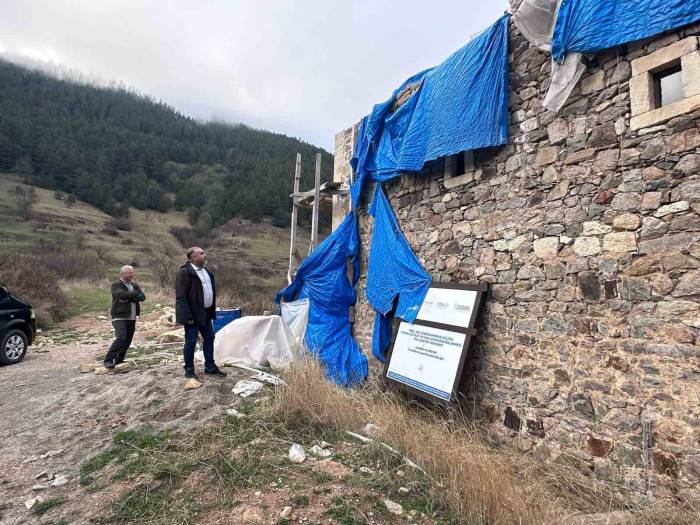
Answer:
(586, 227)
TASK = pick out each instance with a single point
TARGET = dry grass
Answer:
(480, 483)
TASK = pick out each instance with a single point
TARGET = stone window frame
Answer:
(642, 84)
(451, 179)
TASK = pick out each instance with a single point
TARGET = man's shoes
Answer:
(110, 363)
(189, 374)
(215, 372)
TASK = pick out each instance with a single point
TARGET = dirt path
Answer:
(54, 418)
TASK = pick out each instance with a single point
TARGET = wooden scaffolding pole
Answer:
(317, 203)
(293, 241)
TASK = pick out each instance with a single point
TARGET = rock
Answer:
(603, 135)
(192, 384)
(676, 207)
(320, 452)
(60, 480)
(122, 368)
(558, 131)
(332, 468)
(546, 248)
(40, 486)
(86, 368)
(101, 317)
(174, 336)
(546, 156)
(393, 507)
(286, 513)
(689, 164)
(29, 504)
(626, 221)
(653, 228)
(245, 387)
(101, 370)
(620, 242)
(404, 490)
(44, 474)
(595, 228)
(296, 453)
(235, 413)
(689, 284)
(51, 453)
(651, 200)
(586, 246)
(626, 202)
(248, 515)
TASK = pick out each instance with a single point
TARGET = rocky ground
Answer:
(76, 445)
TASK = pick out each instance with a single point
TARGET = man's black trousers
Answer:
(124, 333)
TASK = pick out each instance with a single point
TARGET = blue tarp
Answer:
(462, 104)
(323, 278)
(396, 281)
(587, 26)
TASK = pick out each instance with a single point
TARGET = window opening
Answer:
(668, 85)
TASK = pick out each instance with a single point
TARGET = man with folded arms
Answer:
(126, 296)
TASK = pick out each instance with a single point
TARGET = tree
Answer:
(70, 200)
(24, 167)
(26, 199)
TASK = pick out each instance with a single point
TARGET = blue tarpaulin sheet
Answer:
(587, 26)
(462, 104)
(396, 281)
(323, 278)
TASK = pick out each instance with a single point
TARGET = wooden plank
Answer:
(292, 242)
(317, 203)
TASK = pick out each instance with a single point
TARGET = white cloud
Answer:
(306, 68)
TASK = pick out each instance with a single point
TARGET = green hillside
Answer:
(116, 149)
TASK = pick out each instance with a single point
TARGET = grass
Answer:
(88, 299)
(478, 482)
(42, 507)
(129, 448)
(150, 246)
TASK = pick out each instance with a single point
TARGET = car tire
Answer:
(13, 347)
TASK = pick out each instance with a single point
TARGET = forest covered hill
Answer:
(117, 149)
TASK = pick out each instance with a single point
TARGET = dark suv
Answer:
(17, 328)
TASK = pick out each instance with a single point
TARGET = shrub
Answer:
(120, 223)
(35, 284)
(187, 237)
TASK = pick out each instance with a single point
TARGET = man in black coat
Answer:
(195, 309)
(126, 296)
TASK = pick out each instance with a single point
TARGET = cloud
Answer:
(306, 68)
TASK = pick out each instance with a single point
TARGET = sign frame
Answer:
(470, 332)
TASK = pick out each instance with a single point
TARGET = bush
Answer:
(35, 284)
(187, 237)
(120, 223)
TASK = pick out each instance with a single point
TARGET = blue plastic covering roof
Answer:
(462, 104)
(587, 26)
(396, 281)
(323, 278)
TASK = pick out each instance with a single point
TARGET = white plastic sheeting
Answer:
(564, 78)
(536, 20)
(263, 340)
(295, 314)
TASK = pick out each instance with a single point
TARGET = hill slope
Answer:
(81, 242)
(116, 149)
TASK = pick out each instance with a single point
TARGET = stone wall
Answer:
(588, 235)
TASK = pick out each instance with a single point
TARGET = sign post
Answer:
(427, 357)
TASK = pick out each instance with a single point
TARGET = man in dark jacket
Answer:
(126, 296)
(195, 309)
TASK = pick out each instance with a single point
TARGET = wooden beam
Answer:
(293, 241)
(317, 203)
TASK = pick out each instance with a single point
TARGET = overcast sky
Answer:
(305, 68)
